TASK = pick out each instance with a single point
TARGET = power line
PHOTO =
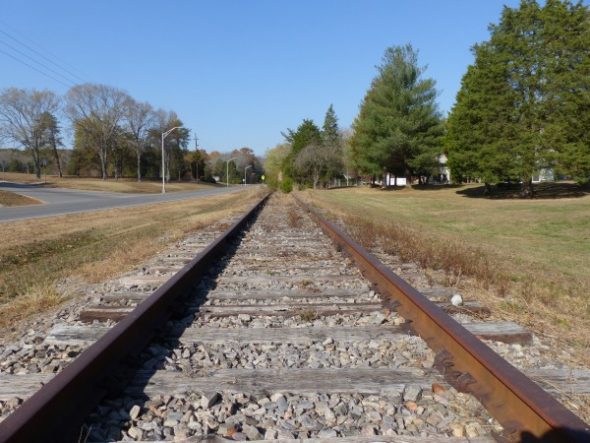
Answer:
(34, 68)
(38, 62)
(72, 74)
(23, 36)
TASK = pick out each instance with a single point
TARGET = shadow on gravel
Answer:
(107, 421)
(556, 435)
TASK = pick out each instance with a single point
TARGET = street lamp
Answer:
(245, 179)
(164, 135)
(227, 170)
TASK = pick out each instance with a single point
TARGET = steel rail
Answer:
(55, 412)
(524, 409)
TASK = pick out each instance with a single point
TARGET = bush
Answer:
(286, 185)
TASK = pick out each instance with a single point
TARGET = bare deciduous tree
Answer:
(139, 117)
(317, 161)
(20, 115)
(98, 110)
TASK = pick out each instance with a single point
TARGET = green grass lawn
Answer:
(553, 234)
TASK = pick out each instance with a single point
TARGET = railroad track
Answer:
(272, 332)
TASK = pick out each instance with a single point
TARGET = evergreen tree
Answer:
(330, 133)
(50, 130)
(523, 105)
(479, 128)
(307, 133)
(567, 129)
(398, 129)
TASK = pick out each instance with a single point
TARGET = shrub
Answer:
(286, 185)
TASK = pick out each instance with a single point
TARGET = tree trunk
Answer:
(36, 162)
(527, 188)
(167, 156)
(36, 159)
(316, 179)
(103, 163)
(56, 155)
(487, 189)
(138, 164)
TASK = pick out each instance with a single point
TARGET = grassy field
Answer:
(127, 185)
(43, 262)
(8, 198)
(528, 258)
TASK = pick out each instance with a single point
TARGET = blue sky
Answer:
(240, 72)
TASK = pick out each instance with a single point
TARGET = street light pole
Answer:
(245, 179)
(164, 135)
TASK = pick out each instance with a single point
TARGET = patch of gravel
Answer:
(242, 416)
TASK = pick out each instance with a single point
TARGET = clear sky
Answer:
(239, 72)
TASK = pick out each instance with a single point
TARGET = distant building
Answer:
(544, 175)
(392, 180)
(444, 172)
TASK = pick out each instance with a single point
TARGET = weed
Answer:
(308, 315)
(306, 283)
(294, 219)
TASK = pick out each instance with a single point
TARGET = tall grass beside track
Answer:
(45, 261)
(527, 259)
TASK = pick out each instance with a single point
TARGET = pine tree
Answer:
(50, 130)
(567, 130)
(398, 129)
(479, 126)
(330, 133)
(523, 105)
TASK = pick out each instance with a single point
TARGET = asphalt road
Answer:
(58, 201)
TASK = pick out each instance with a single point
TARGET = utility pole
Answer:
(198, 156)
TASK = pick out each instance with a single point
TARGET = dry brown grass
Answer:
(8, 198)
(308, 315)
(39, 256)
(294, 219)
(508, 273)
(125, 185)
(35, 299)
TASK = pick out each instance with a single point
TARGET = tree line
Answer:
(114, 135)
(523, 108)
(311, 156)
(398, 130)
(524, 104)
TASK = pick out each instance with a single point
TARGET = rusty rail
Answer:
(55, 412)
(525, 410)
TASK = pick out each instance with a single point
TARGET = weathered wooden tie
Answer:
(507, 332)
